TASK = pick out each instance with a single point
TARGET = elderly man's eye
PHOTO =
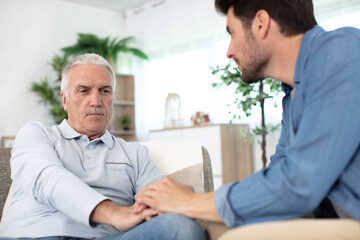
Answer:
(83, 91)
(106, 91)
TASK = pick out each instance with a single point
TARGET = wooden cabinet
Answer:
(124, 105)
(231, 156)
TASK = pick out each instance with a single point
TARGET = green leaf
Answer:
(125, 41)
(139, 53)
(105, 47)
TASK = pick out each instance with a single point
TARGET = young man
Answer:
(76, 180)
(316, 167)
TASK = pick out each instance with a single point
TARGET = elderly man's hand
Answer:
(165, 195)
(122, 218)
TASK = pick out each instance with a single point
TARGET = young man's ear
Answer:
(64, 100)
(261, 24)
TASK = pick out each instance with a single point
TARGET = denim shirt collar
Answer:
(301, 58)
(306, 43)
(69, 133)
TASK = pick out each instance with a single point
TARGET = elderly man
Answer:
(316, 167)
(76, 180)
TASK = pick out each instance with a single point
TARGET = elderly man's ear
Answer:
(63, 100)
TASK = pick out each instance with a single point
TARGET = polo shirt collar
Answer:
(69, 133)
(107, 138)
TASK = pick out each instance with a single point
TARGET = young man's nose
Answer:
(230, 52)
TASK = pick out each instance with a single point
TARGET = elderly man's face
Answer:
(89, 102)
(243, 48)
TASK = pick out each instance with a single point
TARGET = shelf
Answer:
(122, 132)
(124, 103)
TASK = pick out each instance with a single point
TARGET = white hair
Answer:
(88, 58)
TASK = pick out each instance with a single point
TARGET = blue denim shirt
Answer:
(318, 154)
(60, 176)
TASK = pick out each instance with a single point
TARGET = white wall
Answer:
(32, 31)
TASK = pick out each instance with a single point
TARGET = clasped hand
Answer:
(165, 195)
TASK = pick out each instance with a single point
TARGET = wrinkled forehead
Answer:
(89, 74)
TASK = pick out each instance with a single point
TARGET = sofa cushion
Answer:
(171, 156)
(191, 175)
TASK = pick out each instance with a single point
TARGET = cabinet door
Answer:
(167, 135)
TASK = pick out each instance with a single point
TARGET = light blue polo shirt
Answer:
(59, 177)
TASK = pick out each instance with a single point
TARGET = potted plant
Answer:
(49, 92)
(105, 47)
(125, 121)
(249, 96)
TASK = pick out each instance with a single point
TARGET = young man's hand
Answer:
(165, 195)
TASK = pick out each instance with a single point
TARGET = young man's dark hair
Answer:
(293, 16)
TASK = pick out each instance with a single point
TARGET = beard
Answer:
(253, 68)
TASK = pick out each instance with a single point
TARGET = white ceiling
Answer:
(122, 5)
(117, 5)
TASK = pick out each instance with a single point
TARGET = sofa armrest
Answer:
(5, 179)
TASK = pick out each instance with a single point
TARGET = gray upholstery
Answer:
(208, 174)
(5, 180)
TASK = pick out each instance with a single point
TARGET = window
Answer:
(185, 74)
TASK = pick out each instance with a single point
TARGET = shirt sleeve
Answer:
(326, 141)
(148, 171)
(37, 170)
